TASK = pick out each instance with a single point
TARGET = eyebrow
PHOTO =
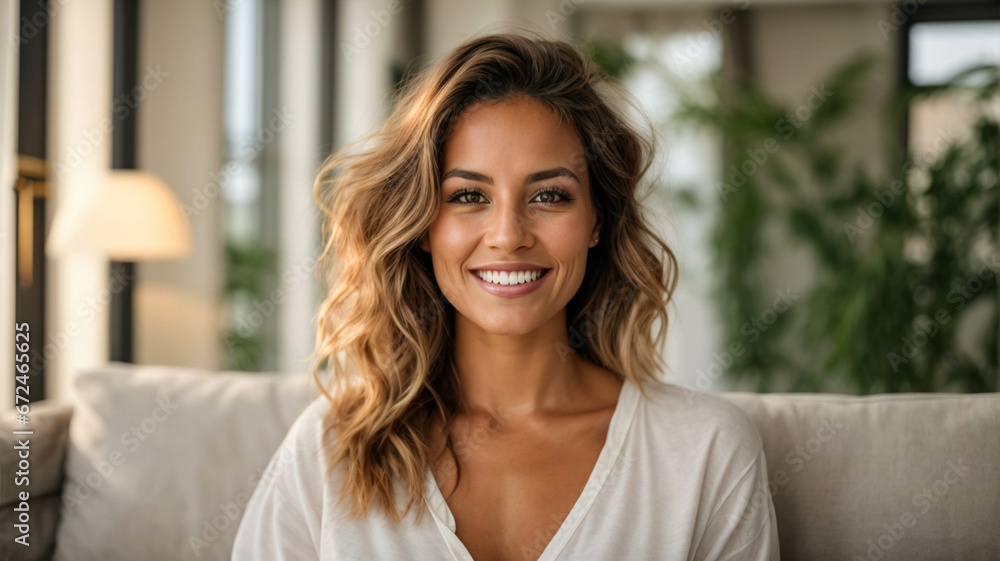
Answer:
(531, 178)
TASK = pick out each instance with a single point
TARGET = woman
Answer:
(494, 287)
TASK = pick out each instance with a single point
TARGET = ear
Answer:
(425, 243)
(595, 236)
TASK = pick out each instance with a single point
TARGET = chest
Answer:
(516, 489)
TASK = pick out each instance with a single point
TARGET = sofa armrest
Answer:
(49, 421)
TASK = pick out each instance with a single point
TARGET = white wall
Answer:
(8, 173)
(449, 22)
(363, 79)
(79, 148)
(299, 158)
(177, 311)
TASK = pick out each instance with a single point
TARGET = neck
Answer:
(520, 375)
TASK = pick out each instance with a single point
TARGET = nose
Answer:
(508, 228)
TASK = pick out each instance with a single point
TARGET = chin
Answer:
(497, 326)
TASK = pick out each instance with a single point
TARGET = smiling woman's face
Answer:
(514, 195)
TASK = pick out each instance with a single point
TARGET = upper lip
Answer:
(507, 266)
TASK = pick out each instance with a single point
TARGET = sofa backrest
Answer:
(163, 459)
(897, 476)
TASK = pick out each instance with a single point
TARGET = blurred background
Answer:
(827, 175)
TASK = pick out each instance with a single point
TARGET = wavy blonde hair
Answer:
(385, 332)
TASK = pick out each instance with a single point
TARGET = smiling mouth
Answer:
(511, 278)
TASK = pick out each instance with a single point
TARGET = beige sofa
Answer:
(157, 463)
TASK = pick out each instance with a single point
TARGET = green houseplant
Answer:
(901, 261)
(249, 270)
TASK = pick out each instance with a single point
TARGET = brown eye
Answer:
(552, 196)
(547, 196)
(465, 197)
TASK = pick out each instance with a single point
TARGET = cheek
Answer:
(567, 240)
(450, 245)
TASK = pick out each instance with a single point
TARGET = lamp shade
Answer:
(131, 216)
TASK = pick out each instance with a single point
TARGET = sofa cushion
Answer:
(162, 460)
(903, 476)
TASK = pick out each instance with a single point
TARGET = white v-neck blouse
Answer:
(681, 476)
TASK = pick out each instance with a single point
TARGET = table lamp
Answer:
(131, 216)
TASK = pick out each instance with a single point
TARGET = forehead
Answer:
(520, 135)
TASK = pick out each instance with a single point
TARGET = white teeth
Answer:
(505, 278)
